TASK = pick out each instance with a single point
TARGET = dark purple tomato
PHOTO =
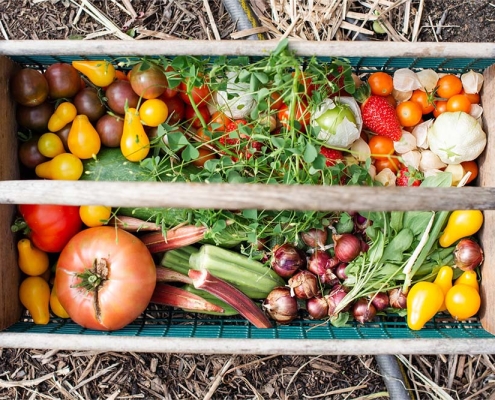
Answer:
(148, 80)
(117, 93)
(29, 87)
(29, 155)
(64, 135)
(35, 118)
(63, 80)
(110, 129)
(88, 102)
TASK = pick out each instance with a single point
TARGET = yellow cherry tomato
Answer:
(83, 141)
(444, 280)
(461, 223)
(134, 143)
(65, 113)
(153, 112)
(423, 302)
(100, 73)
(65, 166)
(34, 294)
(469, 278)
(32, 261)
(55, 305)
(50, 145)
(462, 301)
(93, 216)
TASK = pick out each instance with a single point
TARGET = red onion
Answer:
(340, 271)
(363, 311)
(397, 298)
(380, 301)
(304, 284)
(468, 255)
(360, 222)
(320, 261)
(286, 260)
(334, 298)
(315, 238)
(347, 247)
(280, 305)
(317, 307)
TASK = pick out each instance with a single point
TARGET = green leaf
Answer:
(177, 140)
(190, 153)
(250, 214)
(398, 245)
(263, 93)
(310, 153)
(375, 252)
(442, 179)
(219, 226)
(282, 46)
(278, 142)
(319, 163)
(417, 221)
(262, 77)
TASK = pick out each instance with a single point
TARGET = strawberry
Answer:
(332, 156)
(405, 177)
(379, 116)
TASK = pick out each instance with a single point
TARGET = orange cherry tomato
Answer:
(381, 83)
(474, 98)
(302, 116)
(440, 107)
(381, 147)
(448, 86)
(392, 163)
(121, 75)
(409, 113)
(218, 122)
(425, 101)
(204, 135)
(205, 154)
(459, 102)
(470, 166)
(276, 101)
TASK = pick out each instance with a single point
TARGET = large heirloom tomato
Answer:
(105, 278)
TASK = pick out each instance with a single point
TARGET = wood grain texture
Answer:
(244, 47)
(247, 346)
(487, 179)
(10, 307)
(245, 196)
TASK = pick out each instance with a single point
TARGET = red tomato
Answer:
(424, 100)
(381, 84)
(176, 109)
(302, 115)
(194, 119)
(51, 226)
(392, 163)
(105, 278)
(409, 113)
(276, 102)
(470, 166)
(459, 102)
(219, 121)
(440, 107)
(381, 147)
(448, 86)
(199, 94)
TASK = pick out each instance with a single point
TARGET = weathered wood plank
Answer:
(10, 307)
(245, 47)
(248, 346)
(245, 196)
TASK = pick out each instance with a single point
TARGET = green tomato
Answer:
(332, 118)
(378, 28)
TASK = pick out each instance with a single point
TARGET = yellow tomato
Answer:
(423, 302)
(32, 261)
(101, 73)
(444, 280)
(134, 143)
(55, 305)
(65, 113)
(34, 294)
(153, 112)
(468, 278)
(83, 141)
(50, 145)
(462, 301)
(461, 223)
(65, 166)
(93, 216)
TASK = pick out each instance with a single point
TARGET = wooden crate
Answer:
(376, 339)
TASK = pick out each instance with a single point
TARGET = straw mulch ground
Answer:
(36, 374)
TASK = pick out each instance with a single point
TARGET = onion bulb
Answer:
(468, 255)
(363, 311)
(304, 285)
(347, 247)
(286, 260)
(280, 305)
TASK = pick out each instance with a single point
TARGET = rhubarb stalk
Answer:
(164, 274)
(169, 295)
(224, 291)
(174, 238)
(131, 224)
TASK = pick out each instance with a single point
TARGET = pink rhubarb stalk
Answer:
(173, 296)
(174, 238)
